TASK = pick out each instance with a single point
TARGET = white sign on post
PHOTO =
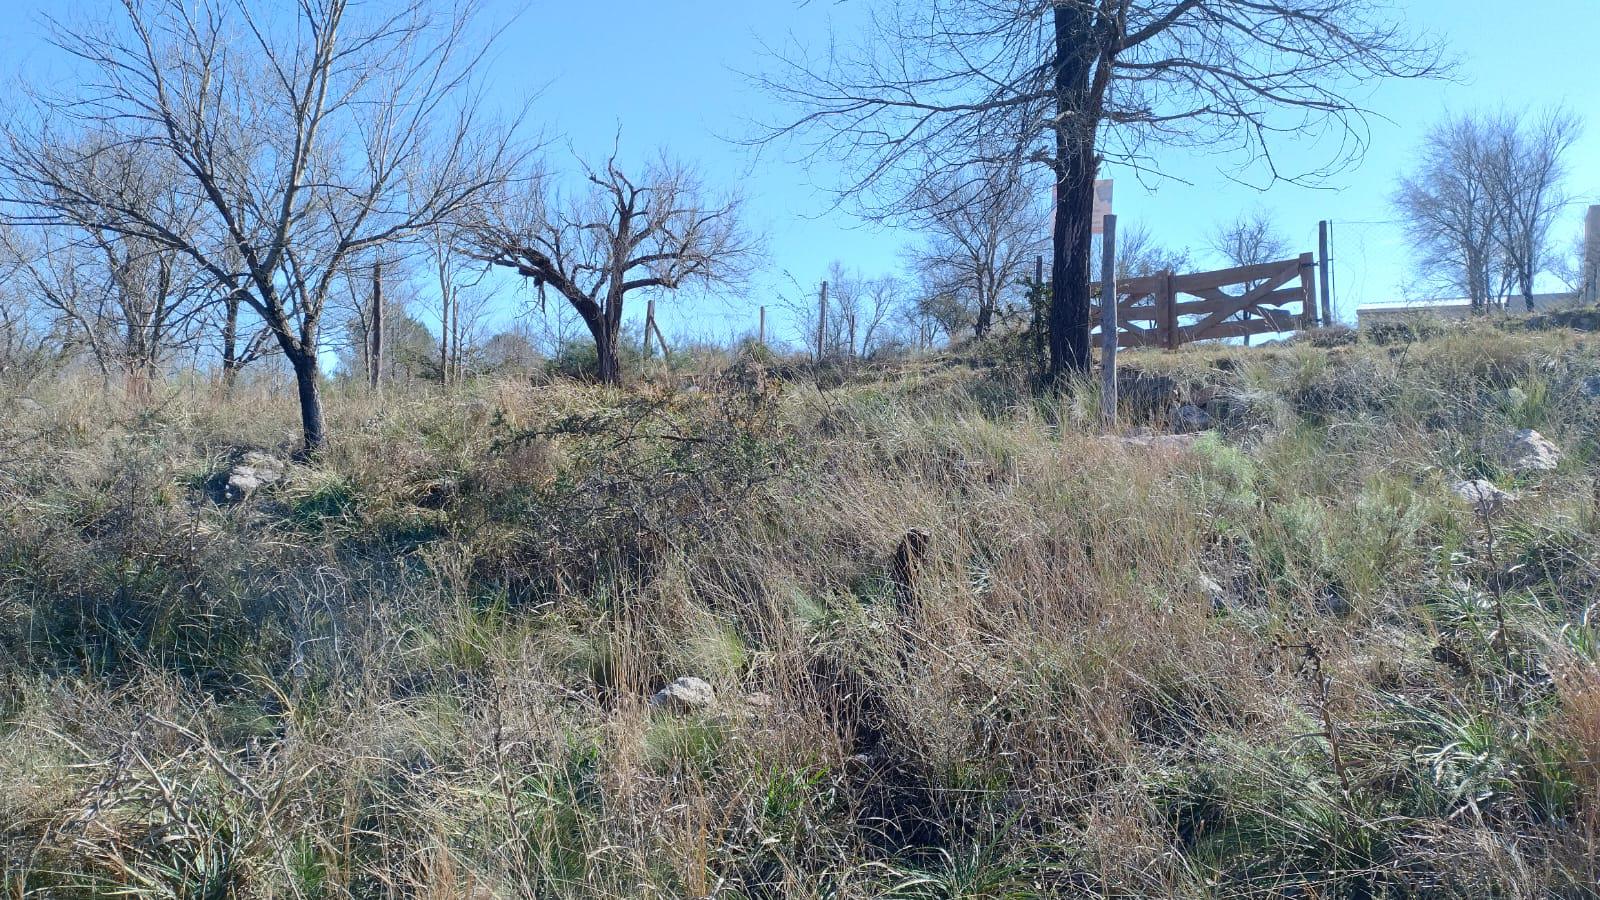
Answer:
(1102, 205)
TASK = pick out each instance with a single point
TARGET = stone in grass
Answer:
(1213, 591)
(1189, 418)
(1524, 450)
(685, 695)
(1590, 387)
(1484, 496)
(254, 471)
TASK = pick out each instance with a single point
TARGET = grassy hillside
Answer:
(961, 644)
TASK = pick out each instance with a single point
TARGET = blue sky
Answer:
(666, 74)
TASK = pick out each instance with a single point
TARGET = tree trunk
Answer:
(985, 318)
(605, 336)
(230, 344)
(1075, 166)
(307, 379)
(375, 356)
(444, 335)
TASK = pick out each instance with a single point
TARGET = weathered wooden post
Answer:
(1591, 255)
(1324, 239)
(822, 322)
(1308, 283)
(1108, 323)
(1168, 301)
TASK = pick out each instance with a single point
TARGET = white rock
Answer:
(242, 482)
(1484, 496)
(1213, 591)
(1525, 450)
(684, 695)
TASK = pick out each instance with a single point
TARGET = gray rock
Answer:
(1213, 591)
(1511, 397)
(242, 482)
(1189, 418)
(1524, 450)
(27, 406)
(254, 471)
(268, 468)
(1484, 496)
(685, 695)
(1590, 387)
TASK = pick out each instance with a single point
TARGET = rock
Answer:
(759, 700)
(242, 482)
(1189, 418)
(1484, 496)
(1590, 387)
(1511, 397)
(254, 471)
(1334, 603)
(1525, 450)
(27, 406)
(685, 695)
(1220, 601)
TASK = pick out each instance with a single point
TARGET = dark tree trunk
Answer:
(230, 344)
(375, 357)
(985, 319)
(605, 335)
(307, 379)
(1075, 167)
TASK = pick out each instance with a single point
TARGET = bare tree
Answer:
(464, 297)
(861, 311)
(310, 137)
(1450, 213)
(1250, 239)
(658, 231)
(932, 86)
(985, 225)
(1480, 205)
(1140, 253)
(131, 300)
(1526, 169)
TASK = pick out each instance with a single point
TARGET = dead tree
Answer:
(984, 226)
(1448, 207)
(318, 137)
(658, 231)
(1527, 165)
(933, 86)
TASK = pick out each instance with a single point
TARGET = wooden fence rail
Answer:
(1150, 312)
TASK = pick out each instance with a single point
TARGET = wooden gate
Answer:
(1150, 312)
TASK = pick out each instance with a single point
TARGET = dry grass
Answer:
(421, 669)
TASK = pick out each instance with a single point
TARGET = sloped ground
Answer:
(960, 644)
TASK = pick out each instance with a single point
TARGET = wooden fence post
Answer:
(1168, 302)
(1324, 232)
(822, 322)
(1108, 322)
(1308, 282)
